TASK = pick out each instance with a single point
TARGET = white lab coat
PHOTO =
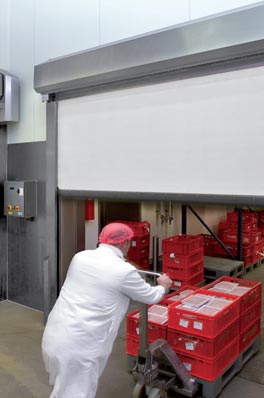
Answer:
(84, 322)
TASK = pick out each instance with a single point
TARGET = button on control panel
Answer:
(20, 198)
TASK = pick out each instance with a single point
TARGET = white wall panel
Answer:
(202, 135)
(121, 19)
(4, 35)
(22, 43)
(64, 27)
(203, 8)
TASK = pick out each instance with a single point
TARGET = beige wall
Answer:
(152, 211)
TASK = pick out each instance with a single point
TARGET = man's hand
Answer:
(164, 281)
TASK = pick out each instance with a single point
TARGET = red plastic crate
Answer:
(231, 236)
(179, 261)
(248, 250)
(132, 344)
(255, 257)
(248, 260)
(187, 321)
(250, 316)
(155, 330)
(254, 226)
(210, 369)
(249, 335)
(218, 251)
(208, 250)
(194, 281)
(140, 228)
(260, 246)
(260, 214)
(182, 244)
(167, 299)
(201, 347)
(138, 252)
(247, 216)
(223, 224)
(177, 273)
(261, 230)
(142, 263)
(246, 226)
(140, 241)
(208, 242)
(248, 299)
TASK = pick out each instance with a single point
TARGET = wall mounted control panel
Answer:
(20, 199)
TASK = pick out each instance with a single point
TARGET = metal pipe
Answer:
(239, 234)
(184, 219)
(143, 321)
(170, 212)
(46, 287)
(143, 330)
(155, 251)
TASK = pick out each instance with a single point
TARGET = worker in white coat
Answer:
(84, 322)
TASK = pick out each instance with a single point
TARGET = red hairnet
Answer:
(115, 233)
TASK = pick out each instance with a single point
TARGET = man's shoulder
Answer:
(84, 254)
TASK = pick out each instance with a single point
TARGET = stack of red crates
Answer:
(140, 244)
(250, 299)
(157, 325)
(183, 259)
(252, 237)
(260, 215)
(211, 336)
(208, 243)
(252, 242)
(205, 336)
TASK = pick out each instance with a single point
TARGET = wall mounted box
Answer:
(9, 98)
(20, 199)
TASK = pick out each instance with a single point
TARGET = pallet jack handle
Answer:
(159, 351)
(152, 273)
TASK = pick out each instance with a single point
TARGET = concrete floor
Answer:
(22, 373)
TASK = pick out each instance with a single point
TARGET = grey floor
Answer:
(22, 374)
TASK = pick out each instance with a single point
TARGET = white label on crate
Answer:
(137, 331)
(177, 283)
(21, 191)
(198, 325)
(189, 346)
(183, 323)
(134, 243)
(188, 366)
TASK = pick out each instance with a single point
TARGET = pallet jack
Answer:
(158, 370)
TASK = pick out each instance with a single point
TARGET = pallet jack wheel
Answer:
(139, 391)
(154, 393)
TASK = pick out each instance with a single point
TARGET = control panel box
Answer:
(20, 199)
